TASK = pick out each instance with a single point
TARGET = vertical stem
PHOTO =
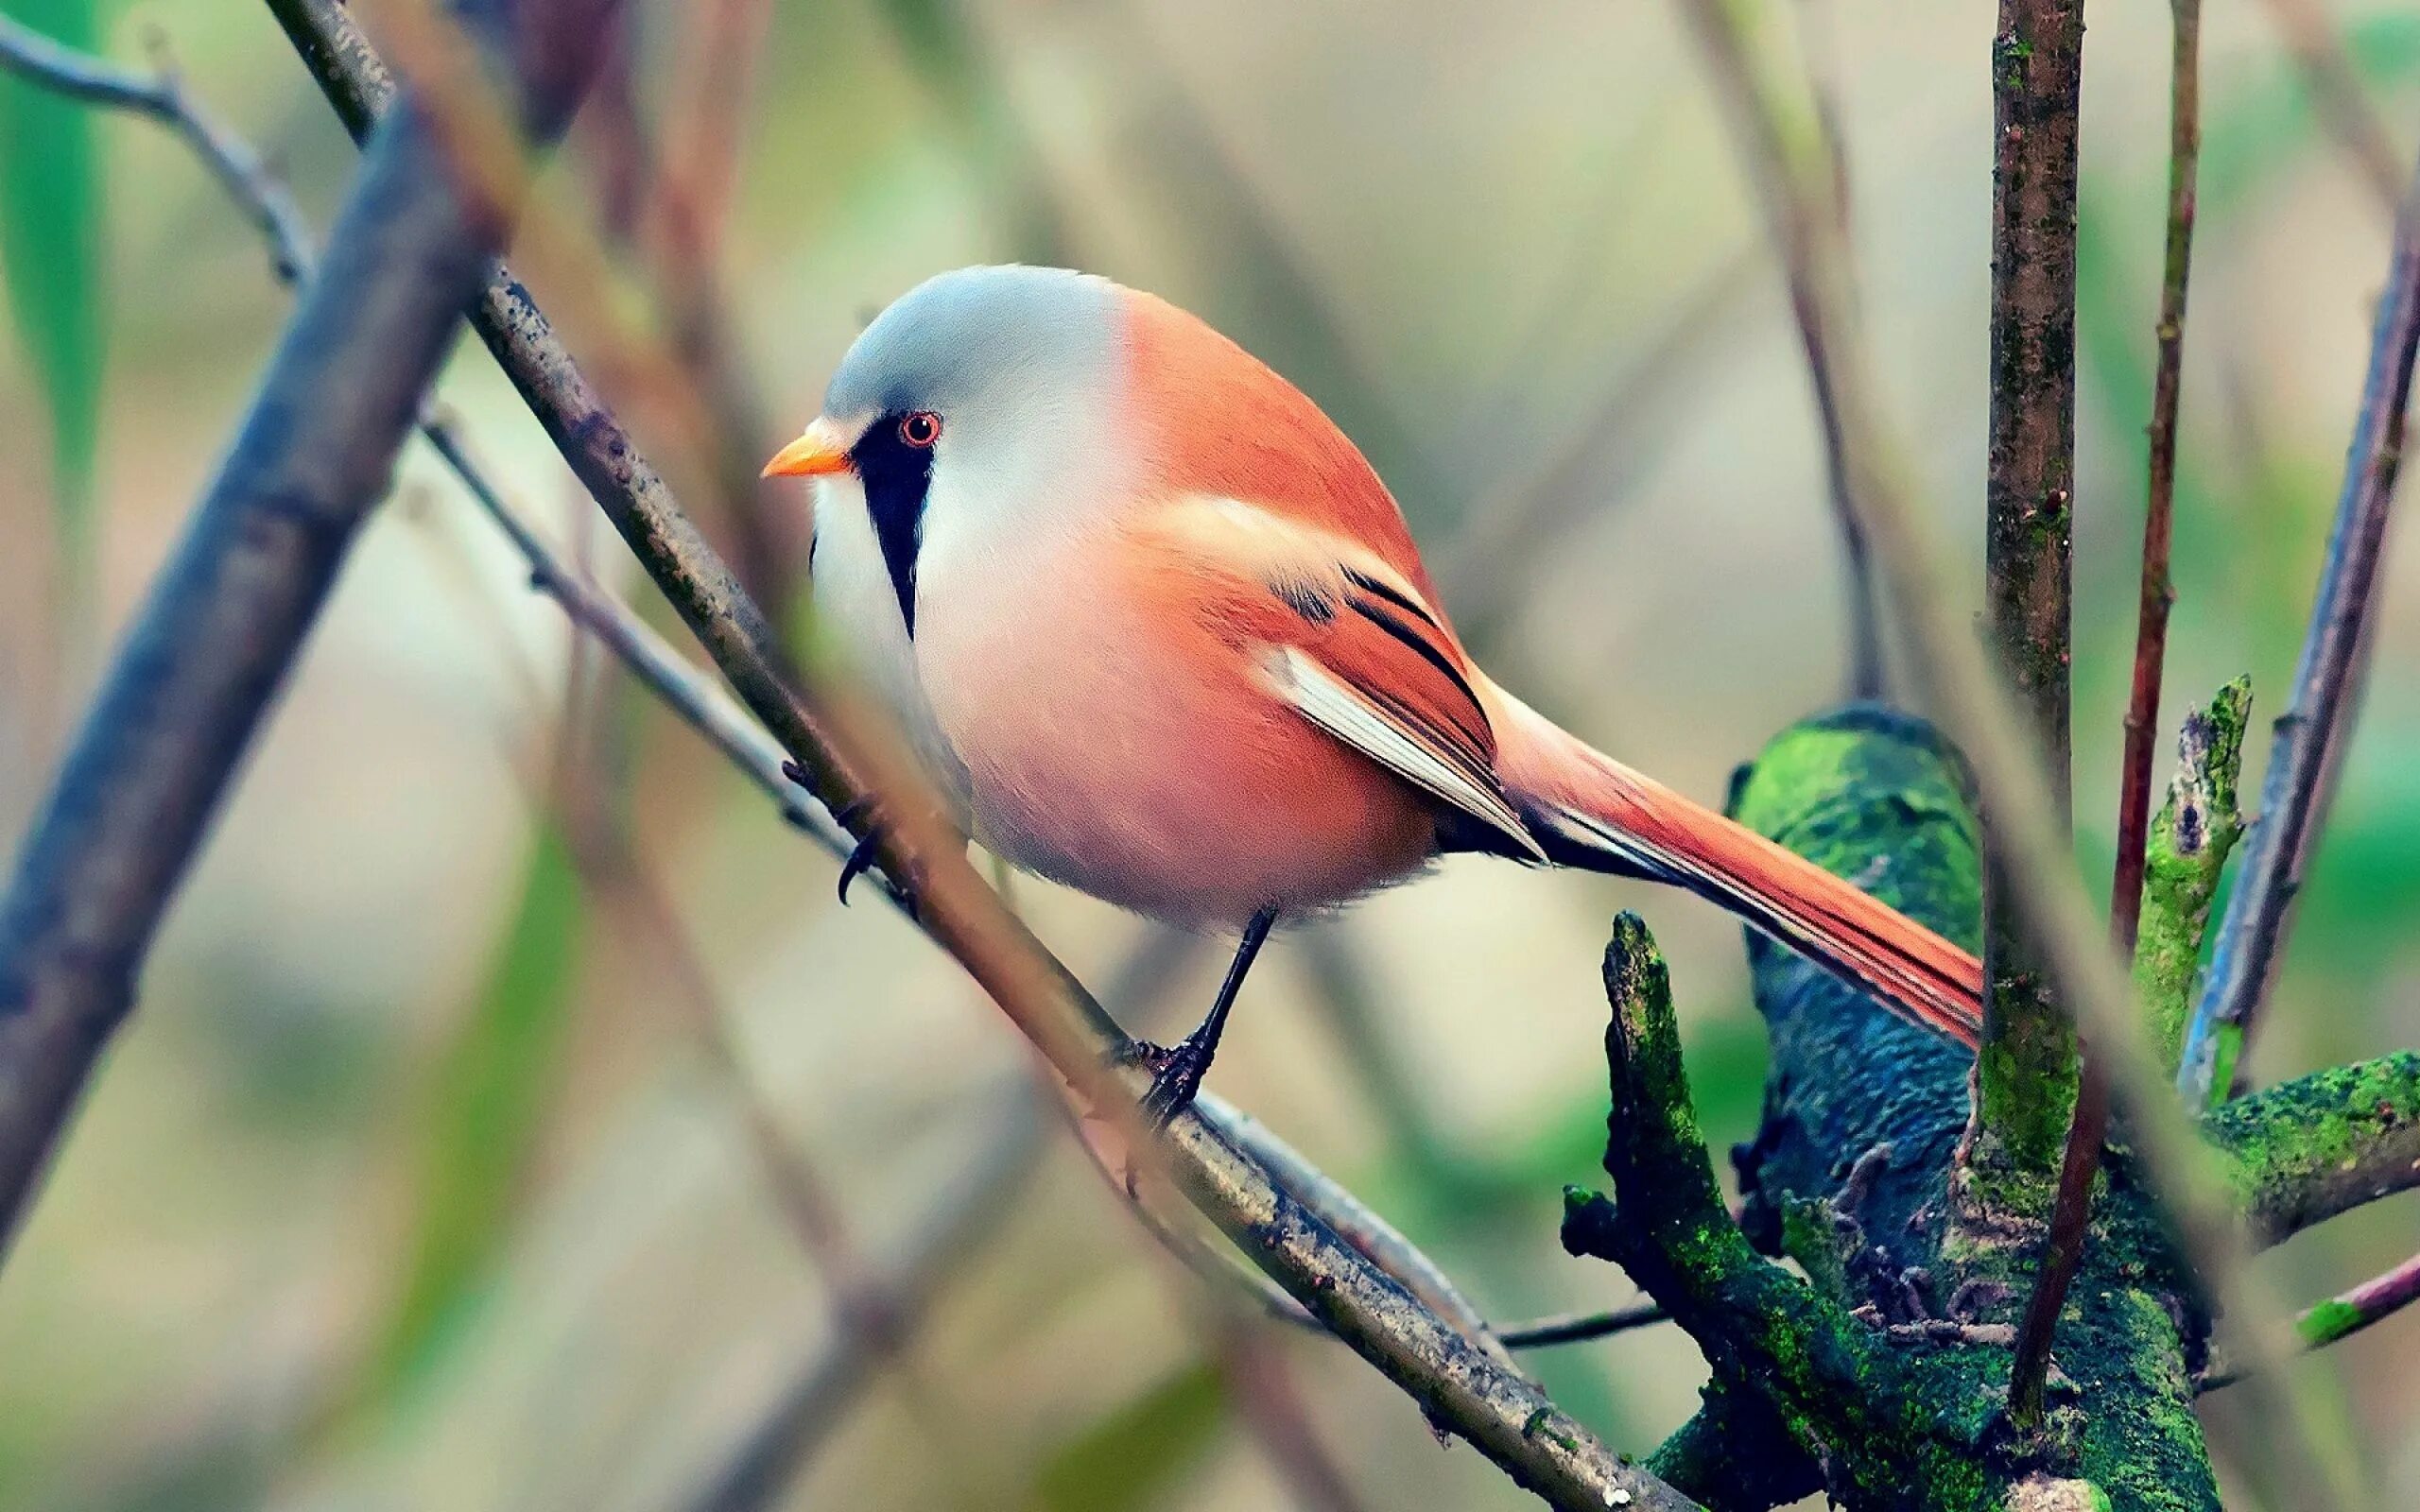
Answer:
(2027, 1077)
(2072, 1209)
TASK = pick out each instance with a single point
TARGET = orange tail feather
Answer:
(1591, 810)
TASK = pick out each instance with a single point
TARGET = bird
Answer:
(1158, 632)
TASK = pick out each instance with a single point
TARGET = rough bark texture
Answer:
(2037, 73)
(1875, 1378)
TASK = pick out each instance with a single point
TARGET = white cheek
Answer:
(855, 602)
(1008, 497)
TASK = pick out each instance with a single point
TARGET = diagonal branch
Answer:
(210, 646)
(2327, 690)
(2340, 1316)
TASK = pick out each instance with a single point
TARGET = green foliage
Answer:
(490, 1097)
(51, 252)
(1139, 1449)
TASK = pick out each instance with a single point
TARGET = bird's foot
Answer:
(1176, 1079)
(862, 857)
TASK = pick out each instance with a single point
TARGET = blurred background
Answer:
(414, 1181)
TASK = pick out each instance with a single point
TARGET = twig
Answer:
(2336, 94)
(2340, 1316)
(160, 96)
(2159, 593)
(1573, 1328)
(698, 703)
(2319, 713)
(194, 677)
(1959, 683)
(2071, 1208)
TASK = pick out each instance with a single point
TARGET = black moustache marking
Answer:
(897, 477)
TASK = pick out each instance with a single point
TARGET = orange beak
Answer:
(816, 453)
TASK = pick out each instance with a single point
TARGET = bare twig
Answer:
(210, 646)
(1573, 1328)
(2326, 691)
(1959, 683)
(698, 703)
(2157, 592)
(1358, 1224)
(2340, 1316)
(160, 96)
(2337, 99)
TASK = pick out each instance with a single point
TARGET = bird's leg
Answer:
(1177, 1072)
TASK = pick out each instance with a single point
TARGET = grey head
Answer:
(977, 344)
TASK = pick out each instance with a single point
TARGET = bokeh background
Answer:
(410, 1184)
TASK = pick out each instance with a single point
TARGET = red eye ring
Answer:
(920, 428)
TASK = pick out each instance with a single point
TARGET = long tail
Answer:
(1590, 811)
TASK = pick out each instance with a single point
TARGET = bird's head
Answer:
(989, 381)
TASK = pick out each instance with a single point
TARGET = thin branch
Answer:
(2159, 593)
(160, 96)
(1358, 1224)
(2071, 1208)
(223, 623)
(849, 757)
(1574, 1328)
(2327, 682)
(2337, 99)
(699, 702)
(2342, 1316)
(1959, 683)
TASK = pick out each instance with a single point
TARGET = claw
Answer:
(1175, 1082)
(860, 861)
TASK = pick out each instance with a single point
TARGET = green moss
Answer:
(2184, 857)
(2329, 1322)
(2309, 1147)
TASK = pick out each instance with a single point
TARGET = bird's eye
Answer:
(920, 428)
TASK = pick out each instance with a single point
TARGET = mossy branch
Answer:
(1826, 1378)
(1885, 1368)
(2189, 844)
(2305, 1150)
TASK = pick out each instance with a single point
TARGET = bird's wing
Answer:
(1349, 645)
